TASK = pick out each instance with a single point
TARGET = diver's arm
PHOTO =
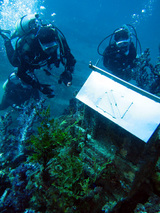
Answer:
(66, 76)
(29, 78)
(106, 57)
(66, 53)
(11, 53)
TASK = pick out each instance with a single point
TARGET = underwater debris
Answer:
(26, 120)
(66, 169)
(5, 122)
(16, 127)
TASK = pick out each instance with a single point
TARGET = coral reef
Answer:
(74, 163)
(152, 205)
(68, 173)
(16, 198)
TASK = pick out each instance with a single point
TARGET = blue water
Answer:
(85, 23)
(90, 21)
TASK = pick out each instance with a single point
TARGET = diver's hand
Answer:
(2, 33)
(66, 78)
(4, 37)
(45, 89)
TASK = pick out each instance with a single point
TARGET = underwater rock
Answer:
(17, 197)
(152, 205)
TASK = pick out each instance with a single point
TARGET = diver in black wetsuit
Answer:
(39, 45)
(16, 92)
(120, 55)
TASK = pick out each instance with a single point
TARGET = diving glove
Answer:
(45, 89)
(3, 35)
(66, 78)
(5, 31)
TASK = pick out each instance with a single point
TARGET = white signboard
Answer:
(129, 109)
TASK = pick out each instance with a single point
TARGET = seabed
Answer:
(78, 162)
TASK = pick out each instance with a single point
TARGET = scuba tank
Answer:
(26, 24)
(13, 78)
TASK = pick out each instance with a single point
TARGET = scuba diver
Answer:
(16, 92)
(121, 58)
(120, 55)
(39, 44)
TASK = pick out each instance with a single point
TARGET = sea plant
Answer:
(62, 183)
(49, 138)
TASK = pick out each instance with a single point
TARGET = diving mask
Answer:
(123, 43)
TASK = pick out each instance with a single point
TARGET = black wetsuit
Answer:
(28, 56)
(17, 93)
(117, 61)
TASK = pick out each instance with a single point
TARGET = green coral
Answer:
(61, 183)
(51, 136)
